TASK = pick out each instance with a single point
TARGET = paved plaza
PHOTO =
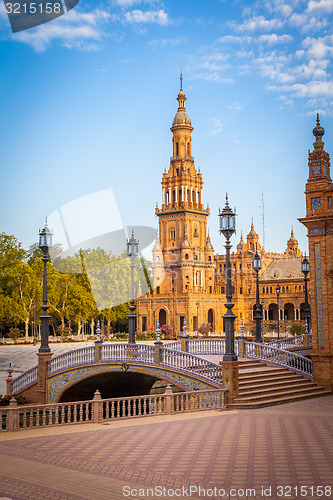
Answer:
(261, 453)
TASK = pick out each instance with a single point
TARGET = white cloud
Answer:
(274, 38)
(307, 23)
(318, 48)
(258, 23)
(74, 30)
(130, 3)
(152, 16)
(217, 127)
(323, 6)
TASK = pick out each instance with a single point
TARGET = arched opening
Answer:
(272, 312)
(110, 385)
(210, 319)
(186, 256)
(180, 195)
(288, 312)
(173, 196)
(177, 148)
(162, 317)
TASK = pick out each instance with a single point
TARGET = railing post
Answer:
(98, 345)
(168, 398)
(97, 408)
(13, 416)
(158, 346)
(241, 346)
(230, 380)
(9, 380)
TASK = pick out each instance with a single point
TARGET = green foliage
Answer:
(80, 287)
(5, 400)
(14, 333)
(297, 329)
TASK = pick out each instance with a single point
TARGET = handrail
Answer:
(191, 363)
(81, 356)
(125, 352)
(297, 341)
(279, 357)
(25, 379)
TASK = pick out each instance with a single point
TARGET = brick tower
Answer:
(183, 256)
(319, 223)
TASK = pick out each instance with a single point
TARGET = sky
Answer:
(88, 99)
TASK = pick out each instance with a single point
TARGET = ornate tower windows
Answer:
(329, 203)
(315, 203)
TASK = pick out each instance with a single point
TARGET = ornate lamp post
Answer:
(257, 311)
(132, 252)
(228, 228)
(45, 243)
(305, 271)
(278, 289)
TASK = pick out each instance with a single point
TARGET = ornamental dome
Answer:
(318, 132)
(181, 118)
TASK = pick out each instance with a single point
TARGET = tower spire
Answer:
(181, 80)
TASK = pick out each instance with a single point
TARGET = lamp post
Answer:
(198, 304)
(278, 308)
(257, 311)
(228, 228)
(45, 243)
(305, 271)
(132, 252)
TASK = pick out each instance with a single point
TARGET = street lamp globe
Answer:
(305, 266)
(257, 263)
(132, 247)
(227, 220)
(45, 238)
(278, 288)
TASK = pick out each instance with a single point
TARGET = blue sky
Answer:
(87, 102)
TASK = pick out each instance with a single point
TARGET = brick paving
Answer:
(289, 445)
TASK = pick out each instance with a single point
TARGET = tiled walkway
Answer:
(232, 451)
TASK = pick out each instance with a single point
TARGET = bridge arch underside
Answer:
(118, 380)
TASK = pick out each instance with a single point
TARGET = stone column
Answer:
(230, 380)
(43, 358)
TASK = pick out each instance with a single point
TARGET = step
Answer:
(282, 400)
(285, 379)
(276, 388)
(259, 375)
(280, 394)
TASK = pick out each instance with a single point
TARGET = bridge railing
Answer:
(81, 356)
(192, 364)
(27, 378)
(126, 352)
(280, 357)
(297, 341)
(98, 410)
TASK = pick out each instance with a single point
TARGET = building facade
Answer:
(319, 223)
(189, 279)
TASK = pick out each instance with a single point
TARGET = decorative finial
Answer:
(181, 80)
(318, 132)
(184, 329)
(158, 334)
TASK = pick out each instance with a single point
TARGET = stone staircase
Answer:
(261, 384)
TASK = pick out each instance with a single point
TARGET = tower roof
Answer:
(318, 132)
(181, 117)
(252, 234)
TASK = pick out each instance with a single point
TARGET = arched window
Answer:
(177, 149)
(186, 256)
(157, 258)
(209, 258)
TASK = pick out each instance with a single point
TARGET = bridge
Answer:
(181, 363)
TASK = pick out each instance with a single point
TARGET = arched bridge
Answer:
(187, 371)
(179, 363)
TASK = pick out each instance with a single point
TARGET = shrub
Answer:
(5, 400)
(167, 331)
(205, 328)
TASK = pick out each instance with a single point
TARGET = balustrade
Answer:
(78, 357)
(14, 418)
(27, 378)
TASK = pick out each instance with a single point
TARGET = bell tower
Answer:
(319, 223)
(186, 253)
